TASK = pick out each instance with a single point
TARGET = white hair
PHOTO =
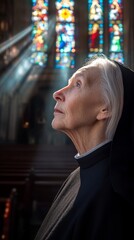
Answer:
(112, 85)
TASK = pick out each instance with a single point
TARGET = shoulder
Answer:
(72, 182)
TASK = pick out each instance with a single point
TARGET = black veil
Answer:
(122, 152)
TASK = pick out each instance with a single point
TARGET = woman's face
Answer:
(78, 103)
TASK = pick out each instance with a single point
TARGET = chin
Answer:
(53, 124)
(56, 125)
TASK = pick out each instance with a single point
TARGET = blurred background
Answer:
(42, 43)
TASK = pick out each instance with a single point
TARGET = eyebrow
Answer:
(75, 76)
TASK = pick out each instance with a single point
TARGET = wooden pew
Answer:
(8, 216)
(37, 173)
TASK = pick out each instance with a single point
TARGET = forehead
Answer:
(87, 73)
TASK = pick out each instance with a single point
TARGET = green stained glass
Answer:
(116, 30)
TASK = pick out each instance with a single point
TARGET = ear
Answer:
(103, 114)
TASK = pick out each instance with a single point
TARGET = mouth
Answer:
(56, 110)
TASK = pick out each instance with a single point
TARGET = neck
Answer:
(84, 139)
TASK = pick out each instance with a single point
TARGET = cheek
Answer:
(71, 116)
(85, 112)
(76, 114)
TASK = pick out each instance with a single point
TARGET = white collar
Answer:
(77, 156)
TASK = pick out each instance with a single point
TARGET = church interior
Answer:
(42, 43)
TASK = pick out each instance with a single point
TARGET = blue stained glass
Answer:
(117, 56)
(65, 30)
(64, 60)
(65, 37)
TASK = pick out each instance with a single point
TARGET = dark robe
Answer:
(97, 200)
(87, 207)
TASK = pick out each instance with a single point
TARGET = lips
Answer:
(56, 110)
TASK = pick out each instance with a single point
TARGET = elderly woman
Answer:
(95, 110)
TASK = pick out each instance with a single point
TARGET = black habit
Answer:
(96, 202)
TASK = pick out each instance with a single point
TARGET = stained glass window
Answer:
(95, 26)
(116, 30)
(39, 32)
(65, 34)
(108, 26)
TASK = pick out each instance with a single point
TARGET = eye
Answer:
(78, 84)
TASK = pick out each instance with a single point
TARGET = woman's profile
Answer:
(95, 110)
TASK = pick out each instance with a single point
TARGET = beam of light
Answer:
(51, 37)
(16, 74)
(14, 39)
(29, 84)
(14, 51)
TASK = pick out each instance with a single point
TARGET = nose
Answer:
(59, 95)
